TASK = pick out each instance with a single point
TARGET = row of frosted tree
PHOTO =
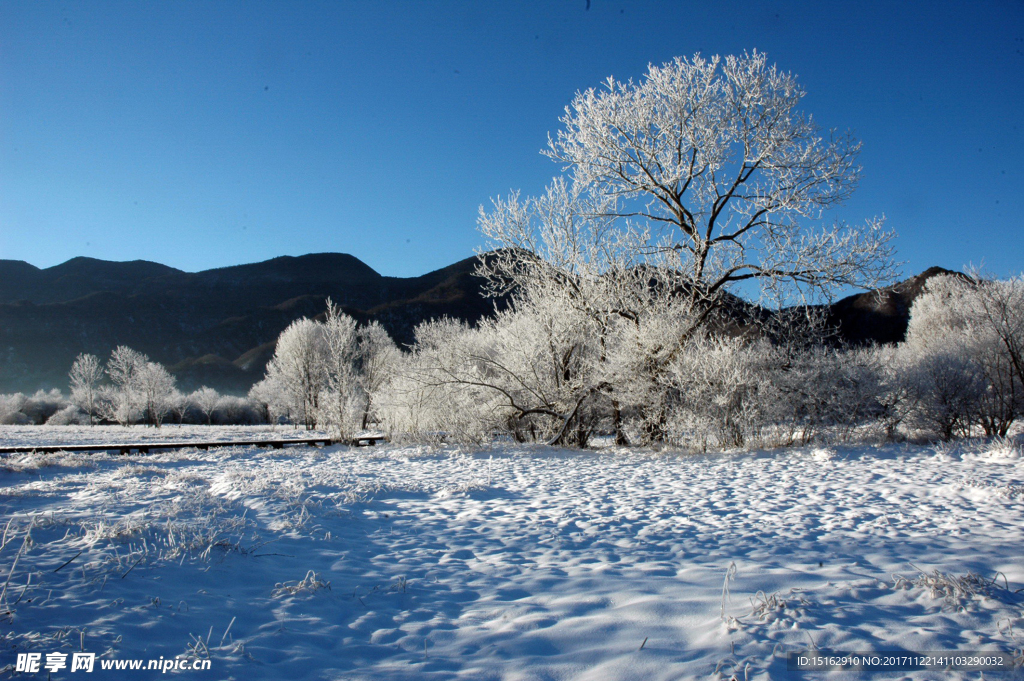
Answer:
(128, 389)
(324, 374)
(545, 373)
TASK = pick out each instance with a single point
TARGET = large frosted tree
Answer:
(706, 169)
(701, 177)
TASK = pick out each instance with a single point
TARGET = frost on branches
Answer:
(326, 373)
(675, 189)
(964, 355)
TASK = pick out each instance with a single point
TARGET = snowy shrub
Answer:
(15, 418)
(737, 392)
(439, 392)
(544, 371)
(947, 389)
(896, 398)
(236, 411)
(19, 409)
(42, 405)
(637, 369)
(10, 410)
(71, 415)
(539, 365)
(720, 383)
(964, 352)
(830, 392)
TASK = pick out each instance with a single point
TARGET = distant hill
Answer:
(879, 316)
(215, 327)
(218, 327)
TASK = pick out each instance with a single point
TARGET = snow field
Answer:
(513, 563)
(28, 436)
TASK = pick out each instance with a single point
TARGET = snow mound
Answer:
(823, 454)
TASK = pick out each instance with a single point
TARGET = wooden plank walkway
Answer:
(367, 440)
(145, 447)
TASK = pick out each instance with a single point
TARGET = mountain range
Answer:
(218, 327)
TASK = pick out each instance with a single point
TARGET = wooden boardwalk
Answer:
(145, 447)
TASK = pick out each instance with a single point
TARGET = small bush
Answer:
(311, 583)
(10, 410)
(240, 411)
(42, 405)
(70, 415)
(14, 419)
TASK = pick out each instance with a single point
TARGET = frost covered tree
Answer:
(85, 378)
(700, 177)
(327, 373)
(717, 171)
(271, 398)
(341, 389)
(205, 400)
(436, 392)
(178, 405)
(122, 401)
(297, 368)
(376, 356)
(138, 388)
(998, 306)
(943, 353)
(156, 392)
(965, 342)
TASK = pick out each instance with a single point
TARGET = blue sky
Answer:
(214, 133)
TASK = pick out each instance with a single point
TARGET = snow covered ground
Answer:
(512, 563)
(28, 436)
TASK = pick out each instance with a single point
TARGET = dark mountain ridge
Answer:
(218, 327)
(212, 327)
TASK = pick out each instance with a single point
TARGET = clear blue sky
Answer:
(203, 134)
